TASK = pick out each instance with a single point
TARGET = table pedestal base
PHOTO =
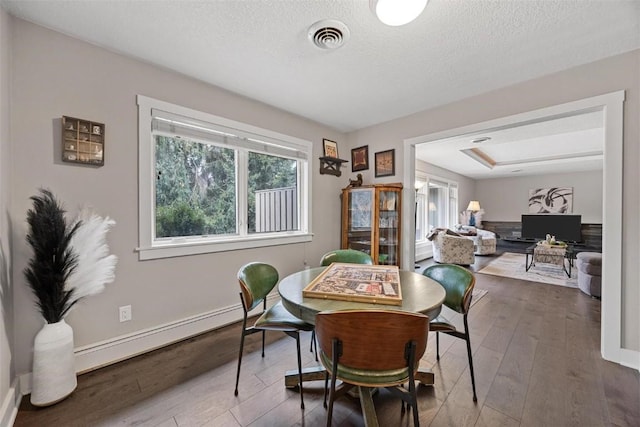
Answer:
(313, 373)
(425, 376)
(316, 373)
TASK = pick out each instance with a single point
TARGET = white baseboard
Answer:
(10, 405)
(114, 350)
(628, 358)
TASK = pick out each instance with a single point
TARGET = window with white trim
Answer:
(436, 205)
(210, 184)
(442, 203)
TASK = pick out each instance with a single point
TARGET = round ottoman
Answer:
(589, 273)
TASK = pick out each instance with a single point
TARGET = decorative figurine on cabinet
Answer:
(356, 182)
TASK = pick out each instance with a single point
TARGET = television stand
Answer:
(519, 239)
(514, 244)
(520, 244)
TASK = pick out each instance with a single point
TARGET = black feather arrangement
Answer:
(53, 258)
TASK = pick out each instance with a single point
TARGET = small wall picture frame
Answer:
(360, 158)
(330, 148)
(385, 163)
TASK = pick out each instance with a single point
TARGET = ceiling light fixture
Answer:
(481, 139)
(397, 12)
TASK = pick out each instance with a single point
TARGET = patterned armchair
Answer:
(451, 249)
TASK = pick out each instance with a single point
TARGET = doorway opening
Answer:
(611, 106)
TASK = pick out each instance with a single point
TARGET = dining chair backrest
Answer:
(372, 339)
(458, 283)
(351, 256)
(256, 279)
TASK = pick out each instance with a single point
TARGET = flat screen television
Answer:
(565, 227)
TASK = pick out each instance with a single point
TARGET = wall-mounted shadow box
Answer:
(82, 141)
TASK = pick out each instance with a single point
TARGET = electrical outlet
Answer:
(125, 313)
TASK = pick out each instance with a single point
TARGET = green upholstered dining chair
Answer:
(458, 283)
(371, 349)
(351, 256)
(256, 281)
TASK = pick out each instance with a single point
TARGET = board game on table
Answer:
(376, 284)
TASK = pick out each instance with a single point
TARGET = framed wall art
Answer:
(551, 200)
(330, 148)
(385, 163)
(360, 158)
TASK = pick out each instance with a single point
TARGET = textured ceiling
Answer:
(259, 49)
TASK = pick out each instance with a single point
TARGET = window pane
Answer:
(273, 194)
(437, 205)
(420, 210)
(195, 188)
(453, 205)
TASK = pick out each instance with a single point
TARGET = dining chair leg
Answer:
(315, 343)
(412, 397)
(414, 405)
(467, 339)
(335, 356)
(299, 369)
(239, 361)
(263, 334)
(437, 346)
(326, 388)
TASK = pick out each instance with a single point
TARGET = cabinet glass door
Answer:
(388, 223)
(360, 220)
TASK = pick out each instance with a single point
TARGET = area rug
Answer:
(512, 265)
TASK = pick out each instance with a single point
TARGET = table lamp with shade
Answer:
(474, 206)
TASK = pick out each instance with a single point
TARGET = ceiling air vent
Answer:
(328, 34)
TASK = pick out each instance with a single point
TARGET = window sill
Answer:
(186, 249)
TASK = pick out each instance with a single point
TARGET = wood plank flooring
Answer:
(536, 354)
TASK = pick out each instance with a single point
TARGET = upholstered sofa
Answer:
(452, 249)
(589, 273)
(484, 242)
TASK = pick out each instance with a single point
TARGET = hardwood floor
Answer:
(536, 357)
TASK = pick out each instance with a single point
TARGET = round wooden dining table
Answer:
(420, 294)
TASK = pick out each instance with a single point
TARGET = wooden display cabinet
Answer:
(371, 221)
(82, 141)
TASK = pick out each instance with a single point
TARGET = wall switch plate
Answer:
(125, 313)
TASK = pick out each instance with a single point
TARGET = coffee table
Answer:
(549, 254)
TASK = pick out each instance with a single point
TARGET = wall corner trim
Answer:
(10, 404)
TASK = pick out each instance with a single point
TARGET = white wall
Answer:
(7, 373)
(54, 75)
(620, 72)
(505, 199)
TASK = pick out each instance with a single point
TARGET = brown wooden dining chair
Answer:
(371, 349)
(458, 283)
(256, 281)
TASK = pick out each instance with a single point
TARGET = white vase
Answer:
(54, 373)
